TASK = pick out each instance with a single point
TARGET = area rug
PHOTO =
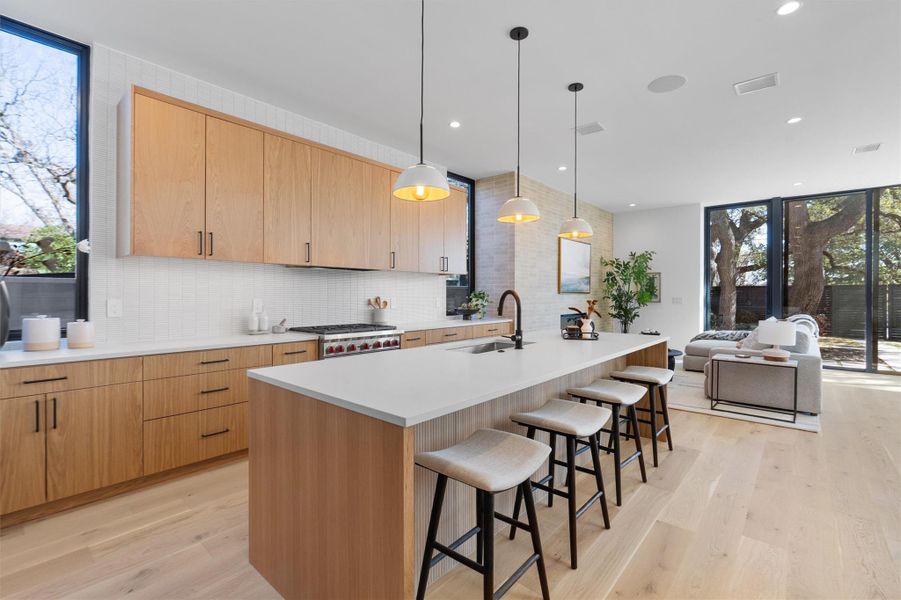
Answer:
(686, 392)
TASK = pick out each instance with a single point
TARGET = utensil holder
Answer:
(380, 316)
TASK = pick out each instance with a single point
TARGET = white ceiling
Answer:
(354, 64)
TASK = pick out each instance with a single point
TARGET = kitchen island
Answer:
(337, 508)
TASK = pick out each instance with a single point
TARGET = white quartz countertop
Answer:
(12, 354)
(420, 384)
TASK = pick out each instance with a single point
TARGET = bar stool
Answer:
(572, 421)
(655, 380)
(618, 395)
(490, 461)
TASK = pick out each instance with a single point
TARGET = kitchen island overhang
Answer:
(336, 506)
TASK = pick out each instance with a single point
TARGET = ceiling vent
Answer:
(756, 84)
(589, 128)
(866, 148)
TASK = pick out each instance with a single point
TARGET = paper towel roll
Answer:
(80, 334)
(40, 333)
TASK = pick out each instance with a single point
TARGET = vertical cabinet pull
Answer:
(309, 254)
(199, 243)
(211, 244)
(394, 260)
(54, 413)
(37, 416)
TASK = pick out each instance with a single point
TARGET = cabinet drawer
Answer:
(297, 352)
(25, 381)
(413, 339)
(206, 361)
(448, 334)
(491, 330)
(176, 441)
(177, 395)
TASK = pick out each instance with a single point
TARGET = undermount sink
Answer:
(487, 347)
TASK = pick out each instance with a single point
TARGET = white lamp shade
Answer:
(518, 210)
(776, 333)
(576, 227)
(421, 183)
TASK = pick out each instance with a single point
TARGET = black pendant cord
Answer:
(575, 151)
(518, 77)
(421, 77)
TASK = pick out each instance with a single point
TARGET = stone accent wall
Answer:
(525, 257)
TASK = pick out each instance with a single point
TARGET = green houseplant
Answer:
(628, 286)
(478, 302)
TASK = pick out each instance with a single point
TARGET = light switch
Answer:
(113, 308)
(677, 299)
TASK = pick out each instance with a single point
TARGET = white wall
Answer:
(176, 298)
(676, 235)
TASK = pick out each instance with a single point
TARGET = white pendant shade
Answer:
(421, 183)
(518, 210)
(576, 227)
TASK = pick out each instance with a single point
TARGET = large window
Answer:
(43, 172)
(460, 286)
(836, 257)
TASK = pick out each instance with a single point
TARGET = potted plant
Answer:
(628, 286)
(476, 303)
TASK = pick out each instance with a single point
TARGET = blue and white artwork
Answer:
(574, 267)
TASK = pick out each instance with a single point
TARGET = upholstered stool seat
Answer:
(565, 417)
(609, 392)
(490, 461)
(573, 421)
(653, 375)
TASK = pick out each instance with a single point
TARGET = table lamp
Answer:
(777, 333)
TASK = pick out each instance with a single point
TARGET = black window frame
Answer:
(470, 219)
(82, 158)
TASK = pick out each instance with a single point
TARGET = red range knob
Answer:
(339, 349)
(351, 348)
(395, 343)
(329, 350)
(377, 345)
(365, 346)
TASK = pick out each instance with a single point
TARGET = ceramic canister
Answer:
(40, 333)
(80, 334)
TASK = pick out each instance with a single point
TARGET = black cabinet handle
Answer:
(450, 335)
(63, 378)
(206, 435)
(295, 352)
(394, 260)
(495, 329)
(37, 416)
(214, 362)
(199, 243)
(213, 391)
(211, 243)
(309, 253)
(416, 339)
(54, 413)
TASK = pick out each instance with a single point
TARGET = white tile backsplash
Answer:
(165, 298)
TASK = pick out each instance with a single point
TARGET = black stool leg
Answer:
(664, 404)
(480, 537)
(530, 433)
(435, 517)
(617, 453)
(487, 525)
(571, 498)
(652, 397)
(633, 420)
(526, 489)
(551, 467)
(596, 460)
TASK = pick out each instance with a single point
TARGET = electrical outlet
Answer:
(257, 305)
(389, 300)
(677, 299)
(113, 308)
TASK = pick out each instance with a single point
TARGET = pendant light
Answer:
(575, 227)
(421, 182)
(518, 209)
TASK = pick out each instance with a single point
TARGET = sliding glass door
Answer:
(887, 287)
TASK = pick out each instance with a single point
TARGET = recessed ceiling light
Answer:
(794, 120)
(455, 124)
(561, 168)
(788, 8)
(798, 183)
(667, 83)
(631, 204)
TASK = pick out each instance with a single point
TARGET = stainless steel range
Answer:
(354, 338)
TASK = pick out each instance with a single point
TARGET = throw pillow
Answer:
(801, 320)
(802, 342)
(751, 343)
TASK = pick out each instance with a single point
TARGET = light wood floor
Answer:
(739, 510)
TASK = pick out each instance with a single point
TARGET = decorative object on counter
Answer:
(777, 333)
(476, 303)
(518, 209)
(656, 277)
(573, 267)
(281, 327)
(40, 333)
(583, 323)
(573, 333)
(257, 320)
(421, 182)
(628, 286)
(649, 332)
(379, 310)
(575, 227)
(80, 334)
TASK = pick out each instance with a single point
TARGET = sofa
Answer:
(745, 382)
